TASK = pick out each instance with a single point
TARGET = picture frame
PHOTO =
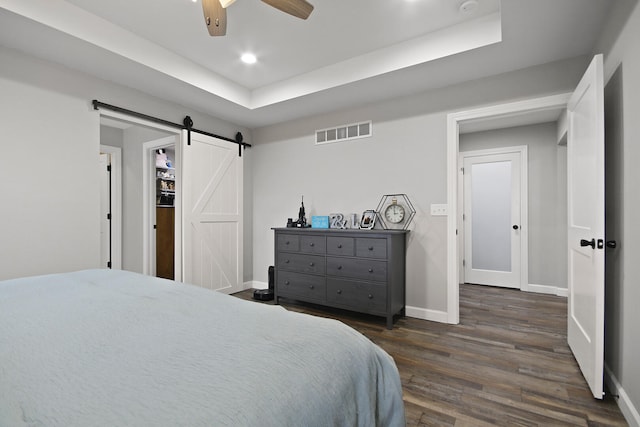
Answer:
(368, 220)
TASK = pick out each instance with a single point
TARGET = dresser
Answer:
(357, 270)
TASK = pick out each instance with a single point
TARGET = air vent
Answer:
(343, 133)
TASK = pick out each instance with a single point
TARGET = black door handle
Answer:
(612, 244)
(515, 227)
(591, 243)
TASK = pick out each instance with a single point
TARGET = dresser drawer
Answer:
(371, 248)
(357, 295)
(365, 269)
(301, 263)
(305, 286)
(340, 246)
(288, 242)
(313, 244)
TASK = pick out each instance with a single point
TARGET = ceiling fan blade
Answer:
(298, 8)
(215, 16)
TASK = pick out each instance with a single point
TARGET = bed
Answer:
(107, 347)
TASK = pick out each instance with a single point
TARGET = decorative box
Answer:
(319, 221)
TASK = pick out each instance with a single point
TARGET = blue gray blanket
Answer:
(112, 348)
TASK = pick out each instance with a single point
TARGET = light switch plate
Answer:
(439, 210)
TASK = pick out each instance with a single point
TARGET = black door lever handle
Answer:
(591, 243)
(612, 244)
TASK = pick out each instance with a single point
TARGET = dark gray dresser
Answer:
(358, 270)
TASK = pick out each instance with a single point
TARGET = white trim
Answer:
(115, 154)
(426, 314)
(524, 205)
(149, 200)
(453, 122)
(255, 284)
(547, 289)
(629, 411)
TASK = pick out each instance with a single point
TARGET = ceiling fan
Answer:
(215, 12)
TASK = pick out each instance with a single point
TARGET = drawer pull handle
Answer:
(370, 248)
(286, 243)
(311, 264)
(371, 270)
(339, 246)
(339, 291)
(286, 283)
(286, 261)
(339, 267)
(312, 244)
(370, 296)
(311, 286)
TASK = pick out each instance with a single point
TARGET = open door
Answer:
(585, 173)
(212, 212)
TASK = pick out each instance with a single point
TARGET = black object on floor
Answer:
(265, 294)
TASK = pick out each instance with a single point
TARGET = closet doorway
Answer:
(160, 182)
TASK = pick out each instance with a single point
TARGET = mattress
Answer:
(107, 347)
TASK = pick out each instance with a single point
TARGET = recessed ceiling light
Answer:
(248, 58)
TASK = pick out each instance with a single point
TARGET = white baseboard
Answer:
(425, 314)
(545, 289)
(255, 285)
(625, 404)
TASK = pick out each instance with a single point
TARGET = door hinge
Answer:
(462, 170)
(155, 227)
(109, 216)
(464, 262)
(108, 168)
(108, 264)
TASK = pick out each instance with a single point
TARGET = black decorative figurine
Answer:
(302, 220)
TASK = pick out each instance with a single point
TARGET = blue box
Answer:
(319, 221)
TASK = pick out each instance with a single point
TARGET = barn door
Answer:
(211, 213)
(585, 169)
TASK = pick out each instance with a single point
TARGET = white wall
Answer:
(49, 176)
(406, 154)
(547, 196)
(50, 138)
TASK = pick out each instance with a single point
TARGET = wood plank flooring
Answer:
(506, 364)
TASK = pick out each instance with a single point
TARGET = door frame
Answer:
(454, 120)
(115, 160)
(149, 201)
(524, 207)
(145, 218)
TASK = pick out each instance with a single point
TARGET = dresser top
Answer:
(356, 231)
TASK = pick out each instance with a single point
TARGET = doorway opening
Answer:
(160, 189)
(538, 110)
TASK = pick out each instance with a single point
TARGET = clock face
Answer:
(394, 213)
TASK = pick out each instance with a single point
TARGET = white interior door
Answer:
(492, 218)
(585, 168)
(212, 213)
(105, 212)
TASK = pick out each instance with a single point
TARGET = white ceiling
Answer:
(348, 53)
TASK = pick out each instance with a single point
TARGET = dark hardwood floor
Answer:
(507, 363)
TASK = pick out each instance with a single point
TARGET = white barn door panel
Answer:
(212, 213)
